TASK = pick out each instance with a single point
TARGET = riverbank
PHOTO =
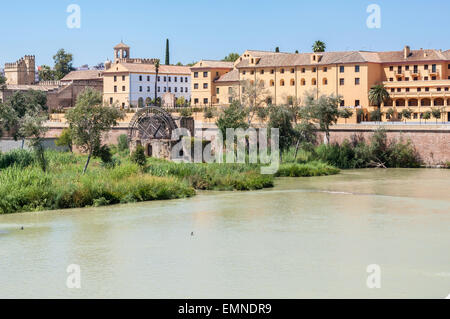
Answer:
(25, 187)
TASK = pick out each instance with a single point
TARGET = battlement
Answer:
(21, 72)
(136, 60)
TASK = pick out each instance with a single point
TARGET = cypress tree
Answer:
(167, 52)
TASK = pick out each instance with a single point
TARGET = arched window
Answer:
(439, 102)
(303, 82)
(292, 82)
(413, 102)
(281, 82)
(262, 83)
(425, 102)
(272, 83)
(313, 81)
(325, 81)
(400, 102)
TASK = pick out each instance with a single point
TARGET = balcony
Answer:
(433, 72)
(398, 73)
(414, 73)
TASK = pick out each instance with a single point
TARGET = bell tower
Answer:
(121, 51)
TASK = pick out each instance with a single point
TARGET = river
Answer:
(305, 238)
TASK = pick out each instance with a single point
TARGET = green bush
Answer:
(20, 158)
(138, 156)
(122, 143)
(306, 170)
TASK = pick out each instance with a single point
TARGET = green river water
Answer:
(305, 238)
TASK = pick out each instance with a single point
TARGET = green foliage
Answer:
(232, 57)
(232, 117)
(138, 156)
(181, 101)
(281, 117)
(18, 158)
(63, 64)
(379, 152)
(89, 120)
(262, 113)
(209, 113)
(46, 73)
(345, 114)
(306, 170)
(122, 143)
(65, 139)
(390, 113)
(406, 113)
(426, 115)
(378, 95)
(186, 112)
(375, 115)
(436, 113)
(167, 52)
(319, 46)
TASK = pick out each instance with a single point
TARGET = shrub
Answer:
(20, 158)
(186, 112)
(122, 143)
(138, 156)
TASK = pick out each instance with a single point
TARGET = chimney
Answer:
(406, 52)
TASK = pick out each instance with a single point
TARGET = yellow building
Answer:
(415, 79)
(130, 82)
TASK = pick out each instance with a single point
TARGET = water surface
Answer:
(305, 238)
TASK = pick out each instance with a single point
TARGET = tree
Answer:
(122, 143)
(63, 64)
(65, 139)
(232, 117)
(390, 113)
(406, 113)
(345, 114)
(99, 66)
(167, 52)
(323, 111)
(277, 49)
(148, 101)
(181, 101)
(32, 127)
(232, 57)
(319, 46)
(378, 95)
(296, 51)
(2, 80)
(14, 110)
(436, 112)
(305, 133)
(253, 96)
(89, 120)
(179, 64)
(281, 117)
(375, 115)
(156, 82)
(426, 116)
(46, 73)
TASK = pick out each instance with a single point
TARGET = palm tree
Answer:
(319, 46)
(378, 95)
(156, 79)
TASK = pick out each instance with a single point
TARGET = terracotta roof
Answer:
(232, 76)
(213, 64)
(83, 75)
(150, 68)
(121, 45)
(275, 59)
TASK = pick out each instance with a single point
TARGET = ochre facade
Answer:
(415, 79)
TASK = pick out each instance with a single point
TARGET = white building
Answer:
(131, 82)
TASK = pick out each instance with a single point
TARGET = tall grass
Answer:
(314, 168)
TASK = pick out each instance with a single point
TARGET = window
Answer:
(392, 90)
(419, 89)
(123, 88)
(165, 89)
(165, 79)
(195, 74)
(357, 102)
(218, 90)
(427, 89)
(416, 69)
(357, 80)
(272, 71)
(425, 66)
(176, 89)
(281, 82)
(230, 99)
(159, 78)
(205, 74)
(399, 89)
(170, 79)
(292, 82)
(325, 81)
(433, 78)
(195, 101)
(438, 89)
(230, 90)
(185, 89)
(181, 79)
(174, 78)
(195, 86)
(426, 78)
(325, 69)
(415, 78)
(341, 81)
(448, 66)
(282, 71)
(342, 103)
(313, 82)
(243, 72)
(140, 77)
(115, 78)
(272, 83)
(399, 69)
(262, 72)
(218, 101)
(148, 89)
(205, 85)
(357, 68)
(115, 88)
(159, 89)
(123, 77)
(110, 100)
(140, 89)
(252, 72)
(341, 69)
(205, 101)
(391, 68)
(217, 74)
(407, 79)
(303, 70)
(407, 89)
(407, 68)
(433, 67)
(181, 90)
(303, 82)
(185, 79)
(446, 89)
(314, 70)
(292, 70)
(391, 79)
(148, 77)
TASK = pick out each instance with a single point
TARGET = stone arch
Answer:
(425, 102)
(439, 102)
(413, 102)
(400, 102)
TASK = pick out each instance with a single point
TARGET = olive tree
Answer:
(89, 120)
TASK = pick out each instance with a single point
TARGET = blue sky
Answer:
(210, 29)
